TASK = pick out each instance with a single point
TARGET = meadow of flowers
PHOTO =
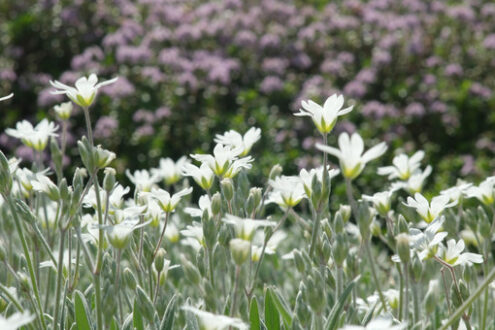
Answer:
(85, 251)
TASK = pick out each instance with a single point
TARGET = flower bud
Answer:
(338, 223)
(56, 155)
(327, 229)
(129, 279)
(201, 262)
(402, 225)
(417, 268)
(364, 221)
(227, 189)
(430, 302)
(63, 110)
(299, 261)
(376, 230)
(109, 179)
(257, 195)
(5, 175)
(191, 272)
(160, 259)
(224, 236)
(240, 250)
(345, 212)
(249, 205)
(209, 230)
(3, 305)
(275, 171)
(302, 311)
(102, 157)
(403, 247)
(340, 250)
(216, 203)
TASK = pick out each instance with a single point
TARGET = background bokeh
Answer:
(420, 73)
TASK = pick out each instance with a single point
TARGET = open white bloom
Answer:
(457, 192)
(143, 180)
(25, 177)
(119, 234)
(15, 321)
(169, 170)
(224, 162)
(204, 204)
(485, 192)
(415, 182)
(271, 245)
(324, 117)
(116, 198)
(381, 201)
(426, 243)
(7, 97)
(33, 137)
(379, 323)
(168, 202)
(194, 236)
(131, 212)
(307, 177)
(64, 110)
(203, 175)
(453, 255)
(351, 157)
(427, 211)
(238, 142)
(44, 184)
(403, 166)
(209, 321)
(245, 228)
(85, 89)
(287, 192)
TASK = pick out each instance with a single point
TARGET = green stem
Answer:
(401, 292)
(414, 289)
(375, 277)
(12, 298)
(18, 225)
(161, 235)
(406, 294)
(59, 278)
(236, 288)
(314, 234)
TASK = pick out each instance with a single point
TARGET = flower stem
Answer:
(60, 274)
(314, 234)
(236, 288)
(367, 248)
(406, 294)
(161, 235)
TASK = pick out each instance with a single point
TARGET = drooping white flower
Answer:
(169, 170)
(427, 211)
(245, 228)
(85, 89)
(403, 166)
(452, 254)
(16, 320)
(224, 162)
(485, 192)
(168, 202)
(7, 97)
(307, 177)
(415, 182)
(202, 175)
(426, 242)
(381, 201)
(63, 110)
(350, 154)
(238, 142)
(34, 137)
(209, 321)
(287, 192)
(456, 193)
(379, 323)
(324, 117)
(143, 180)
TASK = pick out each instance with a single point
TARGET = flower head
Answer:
(64, 110)
(169, 170)
(15, 321)
(142, 179)
(209, 321)
(224, 162)
(426, 242)
(238, 142)
(429, 211)
(85, 89)
(350, 154)
(380, 200)
(307, 177)
(403, 166)
(456, 193)
(202, 175)
(485, 192)
(245, 228)
(377, 324)
(287, 192)
(324, 117)
(415, 182)
(34, 137)
(452, 254)
(168, 202)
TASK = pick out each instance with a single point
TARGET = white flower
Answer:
(34, 137)
(457, 192)
(307, 177)
(238, 142)
(168, 202)
(15, 321)
(351, 157)
(85, 91)
(142, 179)
(224, 162)
(6, 97)
(245, 228)
(119, 234)
(64, 110)
(453, 255)
(25, 177)
(485, 192)
(427, 211)
(202, 175)
(324, 117)
(169, 170)
(271, 246)
(287, 192)
(194, 236)
(379, 323)
(415, 182)
(403, 166)
(115, 200)
(426, 243)
(380, 200)
(209, 321)
(44, 184)
(204, 204)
